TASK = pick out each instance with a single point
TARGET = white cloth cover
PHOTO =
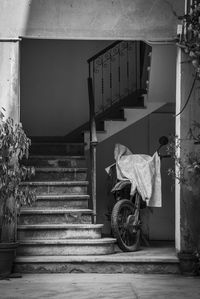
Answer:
(143, 171)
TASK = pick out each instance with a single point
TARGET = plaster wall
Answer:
(54, 95)
(90, 19)
(162, 84)
(9, 83)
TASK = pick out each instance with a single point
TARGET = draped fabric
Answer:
(143, 171)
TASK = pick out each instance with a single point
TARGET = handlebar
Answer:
(163, 156)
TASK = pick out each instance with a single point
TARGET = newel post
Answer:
(93, 145)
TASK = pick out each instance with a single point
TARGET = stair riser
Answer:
(59, 189)
(45, 162)
(57, 149)
(55, 218)
(95, 267)
(51, 234)
(59, 250)
(57, 203)
(59, 176)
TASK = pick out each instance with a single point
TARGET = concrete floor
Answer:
(96, 286)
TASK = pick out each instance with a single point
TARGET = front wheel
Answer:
(125, 225)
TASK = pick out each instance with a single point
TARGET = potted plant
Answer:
(14, 145)
(187, 173)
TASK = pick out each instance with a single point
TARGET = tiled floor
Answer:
(96, 286)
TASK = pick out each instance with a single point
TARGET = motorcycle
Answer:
(126, 213)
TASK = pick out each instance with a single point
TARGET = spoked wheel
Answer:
(125, 225)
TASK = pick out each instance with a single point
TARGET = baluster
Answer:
(136, 77)
(119, 71)
(127, 66)
(111, 79)
(93, 80)
(93, 145)
(102, 83)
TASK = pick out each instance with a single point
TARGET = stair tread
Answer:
(114, 119)
(135, 108)
(60, 169)
(51, 157)
(54, 211)
(113, 258)
(57, 143)
(65, 183)
(63, 196)
(58, 226)
(69, 241)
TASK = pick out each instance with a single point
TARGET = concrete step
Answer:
(147, 260)
(66, 247)
(55, 216)
(58, 187)
(56, 148)
(59, 174)
(73, 201)
(55, 161)
(59, 231)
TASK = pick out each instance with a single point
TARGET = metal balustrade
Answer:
(114, 73)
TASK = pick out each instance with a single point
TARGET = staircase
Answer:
(59, 232)
(59, 223)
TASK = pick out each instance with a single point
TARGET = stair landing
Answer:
(154, 259)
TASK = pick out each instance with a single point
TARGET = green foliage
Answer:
(14, 145)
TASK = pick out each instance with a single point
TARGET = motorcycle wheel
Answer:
(125, 225)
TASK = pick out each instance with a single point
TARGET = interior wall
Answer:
(54, 95)
(162, 85)
(141, 138)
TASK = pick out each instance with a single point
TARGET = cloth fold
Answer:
(143, 171)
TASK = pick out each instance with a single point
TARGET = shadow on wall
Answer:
(141, 138)
(54, 95)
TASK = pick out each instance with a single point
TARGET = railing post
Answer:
(93, 145)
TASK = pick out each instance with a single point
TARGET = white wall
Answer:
(163, 73)
(105, 19)
(9, 82)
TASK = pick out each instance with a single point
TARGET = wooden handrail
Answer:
(93, 144)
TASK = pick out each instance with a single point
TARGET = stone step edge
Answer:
(55, 183)
(68, 242)
(31, 211)
(111, 258)
(58, 226)
(60, 169)
(63, 197)
(57, 143)
(57, 157)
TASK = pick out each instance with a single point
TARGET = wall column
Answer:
(177, 185)
(187, 199)
(10, 78)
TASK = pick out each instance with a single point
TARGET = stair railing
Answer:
(114, 73)
(93, 145)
